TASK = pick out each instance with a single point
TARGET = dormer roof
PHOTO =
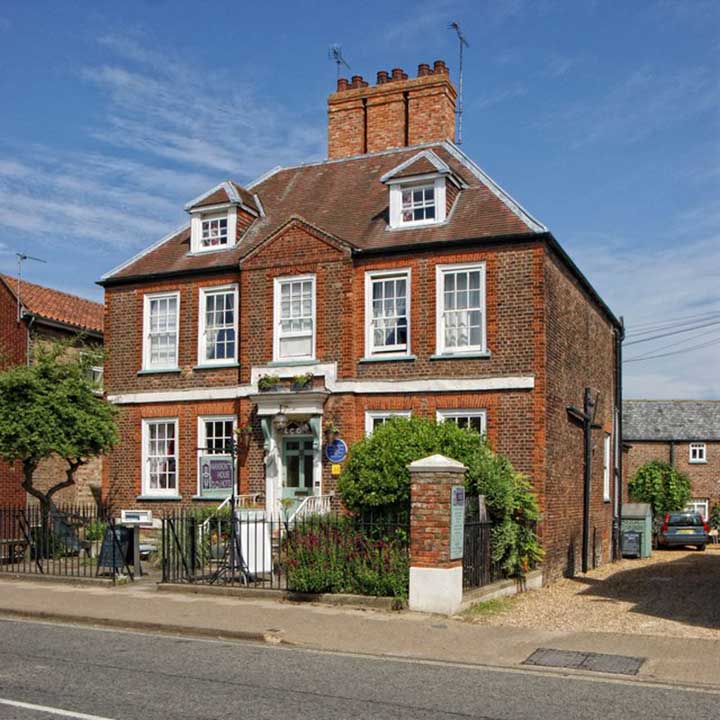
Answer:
(423, 163)
(227, 192)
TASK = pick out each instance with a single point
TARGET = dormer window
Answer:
(418, 204)
(418, 191)
(214, 232)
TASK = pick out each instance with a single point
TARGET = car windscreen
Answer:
(685, 520)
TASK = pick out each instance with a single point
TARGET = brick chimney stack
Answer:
(396, 112)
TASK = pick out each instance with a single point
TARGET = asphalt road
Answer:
(91, 674)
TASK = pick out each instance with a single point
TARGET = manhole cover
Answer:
(595, 662)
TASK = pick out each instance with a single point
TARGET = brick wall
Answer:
(580, 352)
(396, 112)
(704, 477)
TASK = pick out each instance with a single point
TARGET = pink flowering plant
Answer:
(348, 555)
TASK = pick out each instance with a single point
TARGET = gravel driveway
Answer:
(674, 593)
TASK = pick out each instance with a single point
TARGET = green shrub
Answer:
(376, 478)
(715, 517)
(338, 555)
(660, 484)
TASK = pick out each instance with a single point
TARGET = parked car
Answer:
(683, 528)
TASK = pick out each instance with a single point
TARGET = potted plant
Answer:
(268, 383)
(331, 428)
(301, 382)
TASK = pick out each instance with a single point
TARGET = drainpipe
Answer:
(28, 349)
(619, 337)
(672, 452)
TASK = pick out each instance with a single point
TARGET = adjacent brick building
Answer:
(30, 315)
(394, 278)
(685, 433)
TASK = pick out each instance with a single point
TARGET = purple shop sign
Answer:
(216, 473)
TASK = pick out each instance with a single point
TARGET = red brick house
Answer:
(395, 277)
(684, 433)
(31, 314)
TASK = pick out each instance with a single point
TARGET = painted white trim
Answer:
(607, 464)
(396, 221)
(226, 185)
(145, 439)
(202, 440)
(701, 459)
(370, 277)
(144, 252)
(202, 339)
(207, 214)
(441, 415)
(429, 155)
(278, 282)
(354, 387)
(372, 415)
(440, 271)
(692, 506)
(147, 297)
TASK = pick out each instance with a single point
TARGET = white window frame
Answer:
(147, 491)
(372, 415)
(396, 189)
(695, 503)
(147, 365)
(701, 453)
(202, 439)
(278, 283)
(202, 329)
(370, 277)
(452, 413)
(440, 271)
(607, 465)
(212, 213)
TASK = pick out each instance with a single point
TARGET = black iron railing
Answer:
(318, 553)
(478, 567)
(62, 541)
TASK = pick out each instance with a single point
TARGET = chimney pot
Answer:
(424, 69)
(342, 84)
(397, 74)
(404, 75)
(382, 77)
(357, 81)
(440, 67)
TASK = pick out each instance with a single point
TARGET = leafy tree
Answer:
(376, 478)
(52, 407)
(660, 484)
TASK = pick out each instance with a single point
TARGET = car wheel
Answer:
(701, 547)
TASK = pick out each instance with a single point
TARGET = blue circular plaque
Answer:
(336, 450)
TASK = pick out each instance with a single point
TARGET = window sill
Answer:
(205, 498)
(388, 358)
(159, 498)
(462, 356)
(218, 366)
(697, 462)
(159, 371)
(283, 363)
(210, 251)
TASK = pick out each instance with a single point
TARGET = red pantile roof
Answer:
(57, 306)
(346, 199)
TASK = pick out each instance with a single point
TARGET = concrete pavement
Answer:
(60, 671)
(397, 634)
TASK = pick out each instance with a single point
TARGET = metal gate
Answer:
(477, 556)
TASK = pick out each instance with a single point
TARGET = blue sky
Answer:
(600, 118)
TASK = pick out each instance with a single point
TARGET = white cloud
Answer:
(674, 278)
(170, 131)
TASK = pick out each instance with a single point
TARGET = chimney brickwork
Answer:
(397, 112)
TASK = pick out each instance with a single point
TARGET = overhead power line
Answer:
(671, 320)
(670, 324)
(673, 332)
(716, 341)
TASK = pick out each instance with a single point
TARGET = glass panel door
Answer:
(298, 462)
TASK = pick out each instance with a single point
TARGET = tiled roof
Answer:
(225, 192)
(671, 420)
(346, 199)
(57, 306)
